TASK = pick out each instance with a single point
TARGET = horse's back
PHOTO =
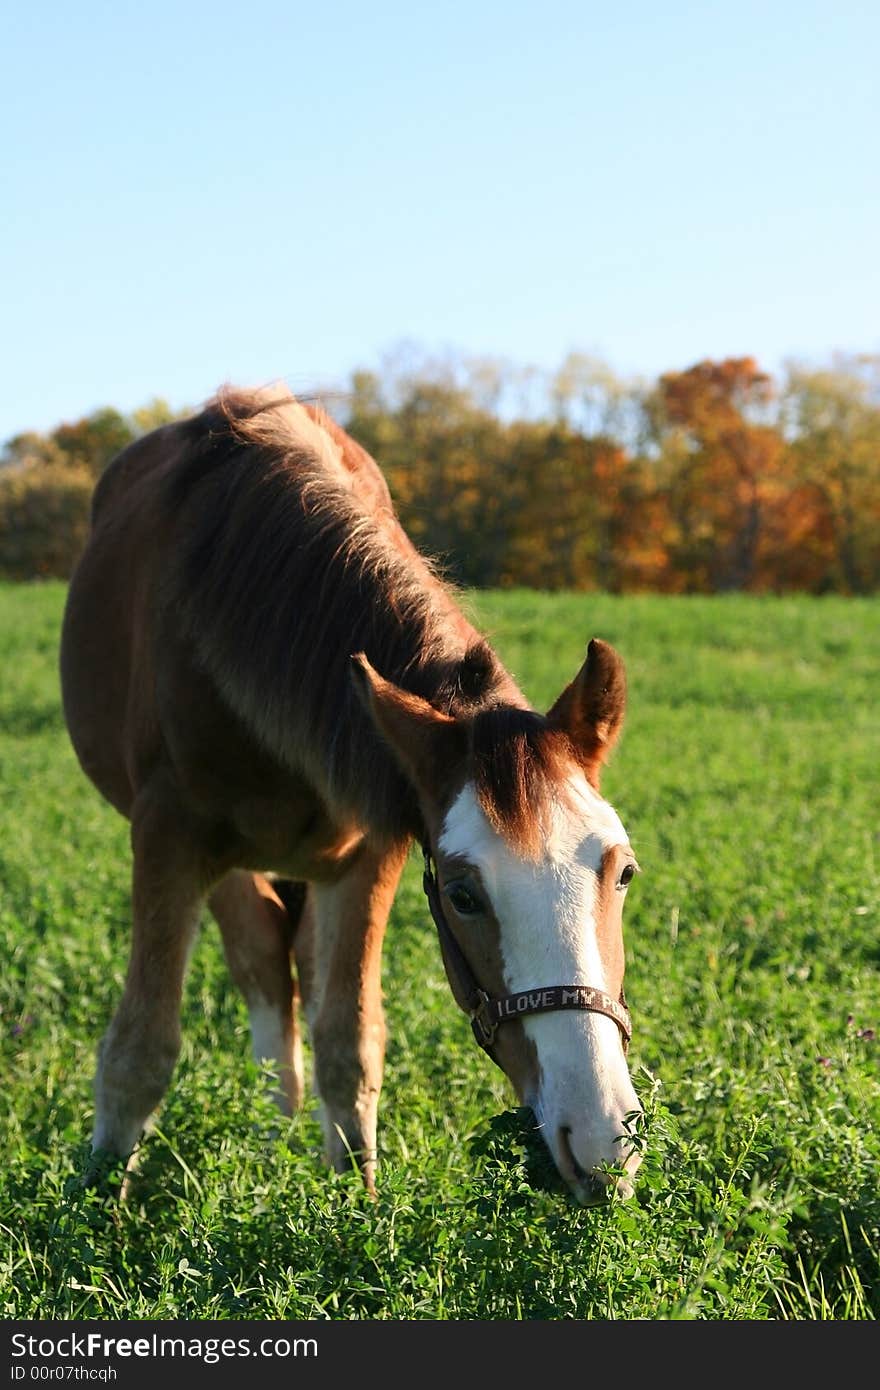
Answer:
(124, 642)
(106, 639)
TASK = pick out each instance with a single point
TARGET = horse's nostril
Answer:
(590, 1188)
(572, 1170)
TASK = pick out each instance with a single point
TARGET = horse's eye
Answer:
(627, 875)
(466, 903)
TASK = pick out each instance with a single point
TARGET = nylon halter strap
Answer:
(486, 1013)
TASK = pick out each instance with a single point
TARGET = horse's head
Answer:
(532, 867)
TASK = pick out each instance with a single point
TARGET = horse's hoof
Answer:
(106, 1174)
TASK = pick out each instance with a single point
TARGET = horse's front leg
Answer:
(344, 1004)
(139, 1050)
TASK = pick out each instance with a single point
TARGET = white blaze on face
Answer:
(546, 914)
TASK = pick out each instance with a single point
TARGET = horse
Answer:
(283, 696)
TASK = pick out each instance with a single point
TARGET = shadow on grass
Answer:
(24, 721)
(513, 1139)
(836, 1242)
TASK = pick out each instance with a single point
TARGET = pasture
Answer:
(747, 777)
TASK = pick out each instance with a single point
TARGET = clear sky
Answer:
(195, 192)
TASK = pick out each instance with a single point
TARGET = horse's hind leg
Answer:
(257, 933)
(345, 1008)
(139, 1050)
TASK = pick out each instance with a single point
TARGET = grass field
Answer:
(748, 780)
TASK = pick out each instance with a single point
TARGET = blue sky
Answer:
(195, 193)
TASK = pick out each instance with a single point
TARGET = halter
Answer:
(486, 1013)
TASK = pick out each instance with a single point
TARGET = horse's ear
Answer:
(426, 743)
(590, 710)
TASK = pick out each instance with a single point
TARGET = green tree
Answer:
(94, 440)
(833, 420)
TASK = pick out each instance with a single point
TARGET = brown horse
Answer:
(245, 582)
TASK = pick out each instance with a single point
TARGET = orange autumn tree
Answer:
(719, 470)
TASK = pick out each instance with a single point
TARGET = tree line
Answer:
(711, 479)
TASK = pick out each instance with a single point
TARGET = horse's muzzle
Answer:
(591, 1186)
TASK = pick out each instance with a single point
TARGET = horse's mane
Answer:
(292, 560)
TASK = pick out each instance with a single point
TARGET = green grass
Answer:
(747, 778)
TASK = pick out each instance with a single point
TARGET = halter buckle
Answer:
(482, 1023)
